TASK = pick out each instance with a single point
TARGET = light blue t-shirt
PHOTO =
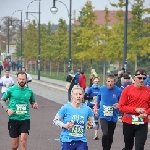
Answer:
(106, 98)
(77, 115)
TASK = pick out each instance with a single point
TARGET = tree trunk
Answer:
(104, 70)
(50, 70)
(64, 68)
(44, 67)
(58, 68)
(81, 65)
(136, 63)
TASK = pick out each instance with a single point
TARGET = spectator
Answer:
(82, 80)
(1, 68)
(94, 73)
(77, 75)
(118, 83)
(71, 80)
(92, 76)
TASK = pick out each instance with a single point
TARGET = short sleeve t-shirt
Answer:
(19, 100)
(77, 115)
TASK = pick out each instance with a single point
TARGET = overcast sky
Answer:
(7, 7)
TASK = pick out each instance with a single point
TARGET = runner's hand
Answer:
(10, 112)
(35, 105)
(89, 124)
(143, 115)
(140, 110)
(116, 105)
(94, 97)
(69, 125)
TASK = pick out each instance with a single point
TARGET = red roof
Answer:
(101, 17)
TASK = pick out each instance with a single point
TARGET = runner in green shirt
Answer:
(18, 110)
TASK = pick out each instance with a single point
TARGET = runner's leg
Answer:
(15, 143)
(104, 127)
(129, 133)
(23, 141)
(111, 129)
(141, 136)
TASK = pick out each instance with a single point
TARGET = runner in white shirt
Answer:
(29, 78)
(6, 81)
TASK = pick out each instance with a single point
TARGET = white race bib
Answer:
(108, 110)
(21, 108)
(77, 131)
(137, 120)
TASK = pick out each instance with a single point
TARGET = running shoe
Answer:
(95, 137)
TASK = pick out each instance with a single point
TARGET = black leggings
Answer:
(139, 132)
(108, 128)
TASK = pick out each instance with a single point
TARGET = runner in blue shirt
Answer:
(108, 98)
(73, 118)
(91, 95)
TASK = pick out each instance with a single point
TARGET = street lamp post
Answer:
(27, 20)
(125, 37)
(20, 32)
(7, 33)
(54, 9)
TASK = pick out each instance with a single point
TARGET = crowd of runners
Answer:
(127, 97)
(96, 107)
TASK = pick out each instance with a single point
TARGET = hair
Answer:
(71, 72)
(22, 73)
(95, 78)
(110, 76)
(77, 87)
(24, 68)
(140, 71)
(6, 70)
(82, 72)
(126, 76)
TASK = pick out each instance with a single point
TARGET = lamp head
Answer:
(10, 26)
(54, 10)
(26, 20)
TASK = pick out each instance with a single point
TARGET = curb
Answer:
(119, 120)
(44, 84)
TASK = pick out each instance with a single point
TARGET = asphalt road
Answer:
(45, 136)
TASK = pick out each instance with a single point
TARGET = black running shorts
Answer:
(17, 127)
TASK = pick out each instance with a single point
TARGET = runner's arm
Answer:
(57, 121)
(92, 121)
(123, 103)
(3, 103)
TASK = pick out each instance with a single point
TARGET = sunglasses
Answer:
(96, 81)
(140, 78)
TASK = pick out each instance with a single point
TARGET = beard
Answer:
(22, 84)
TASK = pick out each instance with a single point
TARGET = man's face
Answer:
(110, 83)
(22, 80)
(139, 79)
(7, 73)
(23, 70)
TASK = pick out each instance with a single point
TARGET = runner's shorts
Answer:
(16, 127)
(73, 145)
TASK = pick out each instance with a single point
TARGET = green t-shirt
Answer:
(19, 101)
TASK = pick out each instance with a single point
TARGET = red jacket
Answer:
(82, 81)
(132, 98)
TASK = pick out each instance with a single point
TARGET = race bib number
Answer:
(108, 110)
(77, 131)
(137, 120)
(21, 109)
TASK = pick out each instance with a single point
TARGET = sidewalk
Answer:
(52, 83)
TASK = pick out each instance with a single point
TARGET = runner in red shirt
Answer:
(135, 104)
